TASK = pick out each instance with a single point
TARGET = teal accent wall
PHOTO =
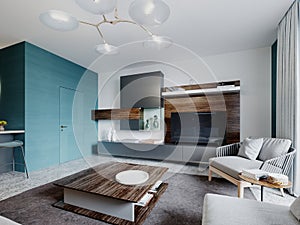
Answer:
(36, 77)
(12, 81)
(45, 73)
(274, 88)
(12, 93)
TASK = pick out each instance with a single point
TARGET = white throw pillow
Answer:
(250, 148)
(274, 147)
(295, 208)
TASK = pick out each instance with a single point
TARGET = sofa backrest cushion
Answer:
(274, 147)
(295, 208)
(250, 148)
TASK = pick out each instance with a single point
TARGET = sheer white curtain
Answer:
(288, 86)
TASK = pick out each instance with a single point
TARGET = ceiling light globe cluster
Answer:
(98, 7)
(143, 12)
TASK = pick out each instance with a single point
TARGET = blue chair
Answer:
(15, 144)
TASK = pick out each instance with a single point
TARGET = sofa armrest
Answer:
(225, 210)
(228, 150)
(281, 164)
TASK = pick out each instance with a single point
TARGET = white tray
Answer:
(132, 177)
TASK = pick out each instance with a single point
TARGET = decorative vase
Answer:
(155, 122)
(147, 125)
(1, 128)
(109, 134)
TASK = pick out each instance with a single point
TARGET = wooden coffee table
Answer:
(95, 193)
(263, 183)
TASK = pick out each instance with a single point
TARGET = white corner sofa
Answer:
(225, 210)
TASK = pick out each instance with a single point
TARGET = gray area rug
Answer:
(181, 204)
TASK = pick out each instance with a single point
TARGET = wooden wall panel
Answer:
(229, 102)
(117, 114)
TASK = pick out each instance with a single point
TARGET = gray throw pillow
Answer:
(274, 147)
(250, 148)
(295, 208)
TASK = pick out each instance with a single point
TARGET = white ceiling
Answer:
(204, 27)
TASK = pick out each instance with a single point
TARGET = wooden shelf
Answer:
(117, 114)
(201, 86)
(207, 91)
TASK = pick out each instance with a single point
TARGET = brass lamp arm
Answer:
(114, 22)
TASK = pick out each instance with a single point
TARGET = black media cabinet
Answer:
(168, 152)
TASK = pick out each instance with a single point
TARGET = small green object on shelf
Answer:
(2, 124)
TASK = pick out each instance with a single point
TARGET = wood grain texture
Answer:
(225, 102)
(265, 183)
(100, 180)
(117, 114)
(141, 213)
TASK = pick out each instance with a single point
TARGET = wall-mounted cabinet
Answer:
(134, 119)
(222, 98)
(178, 153)
(145, 151)
(141, 90)
(118, 114)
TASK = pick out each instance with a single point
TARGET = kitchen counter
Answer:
(12, 132)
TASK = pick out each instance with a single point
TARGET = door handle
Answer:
(62, 126)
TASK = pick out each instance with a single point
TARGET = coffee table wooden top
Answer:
(265, 183)
(100, 180)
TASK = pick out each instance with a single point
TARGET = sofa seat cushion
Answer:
(224, 210)
(234, 165)
(274, 147)
(5, 221)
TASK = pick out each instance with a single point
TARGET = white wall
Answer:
(252, 68)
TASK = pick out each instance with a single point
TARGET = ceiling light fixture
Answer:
(149, 12)
(59, 20)
(143, 13)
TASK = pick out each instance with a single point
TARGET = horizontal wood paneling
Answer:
(117, 114)
(226, 102)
